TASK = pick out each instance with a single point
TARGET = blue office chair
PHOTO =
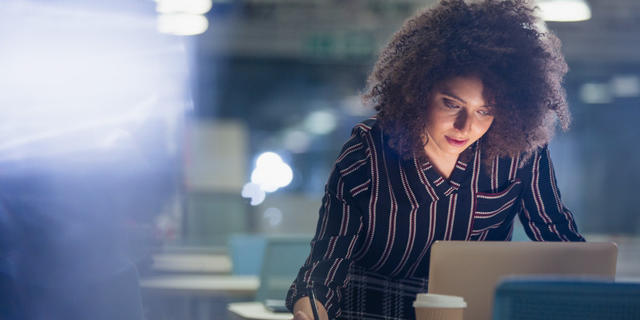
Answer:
(283, 257)
(539, 298)
(247, 253)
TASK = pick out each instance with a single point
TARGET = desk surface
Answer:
(256, 311)
(192, 263)
(245, 286)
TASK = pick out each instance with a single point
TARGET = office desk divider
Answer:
(247, 253)
(530, 298)
(283, 257)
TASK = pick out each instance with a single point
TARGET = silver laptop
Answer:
(472, 269)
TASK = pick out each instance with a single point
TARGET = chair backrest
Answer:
(247, 252)
(566, 299)
(283, 257)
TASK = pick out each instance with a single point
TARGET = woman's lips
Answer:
(456, 142)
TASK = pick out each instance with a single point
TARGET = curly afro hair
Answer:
(521, 68)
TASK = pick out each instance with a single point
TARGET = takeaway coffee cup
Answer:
(430, 306)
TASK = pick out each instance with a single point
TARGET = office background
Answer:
(123, 136)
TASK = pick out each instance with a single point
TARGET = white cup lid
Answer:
(430, 300)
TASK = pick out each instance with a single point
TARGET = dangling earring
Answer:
(425, 139)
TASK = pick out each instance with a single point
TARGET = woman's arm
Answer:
(543, 215)
(337, 233)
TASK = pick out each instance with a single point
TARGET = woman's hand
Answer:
(302, 310)
(299, 315)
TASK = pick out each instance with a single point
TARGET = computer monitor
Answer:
(472, 269)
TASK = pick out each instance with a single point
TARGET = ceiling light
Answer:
(273, 216)
(564, 10)
(271, 172)
(183, 6)
(625, 86)
(320, 122)
(182, 24)
(296, 141)
(253, 191)
(595, 93)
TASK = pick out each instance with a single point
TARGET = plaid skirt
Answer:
(370, 295)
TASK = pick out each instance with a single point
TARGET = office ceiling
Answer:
(354, 30)
(611, 36)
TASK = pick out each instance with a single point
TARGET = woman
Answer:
(468, 96)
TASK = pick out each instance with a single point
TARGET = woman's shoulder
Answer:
(355, 155)
(525, 162)
(358, 147)
(368, 126)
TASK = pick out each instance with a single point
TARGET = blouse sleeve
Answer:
(337, 232)
(543, 215)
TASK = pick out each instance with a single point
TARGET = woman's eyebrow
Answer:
(448, 93)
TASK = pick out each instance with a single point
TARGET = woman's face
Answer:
(458, 116)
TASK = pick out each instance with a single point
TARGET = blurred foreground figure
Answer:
(92, 104)
(67, 229)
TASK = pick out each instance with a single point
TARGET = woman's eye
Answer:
(451, 105)
(484, 112)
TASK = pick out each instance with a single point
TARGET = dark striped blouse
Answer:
(381, 213)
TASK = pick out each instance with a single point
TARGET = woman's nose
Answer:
(463, 122)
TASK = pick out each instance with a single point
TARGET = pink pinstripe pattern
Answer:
(474, 190)
(532, 226)
(451, 216)
(344, 226)
(374, 196)
(355, 166)
(556, 194)
(535, 185)
(490, 214)
(360, 188)
(332, 271)
(494, 175)
(325, 218)
(352, 245)
(349, 151)
(392, 222)
(363, 126)
(330, 248)
(513, 169)
(423, 179)
(461, 165)
(499, 194)
(432, 229)
(412, 223)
